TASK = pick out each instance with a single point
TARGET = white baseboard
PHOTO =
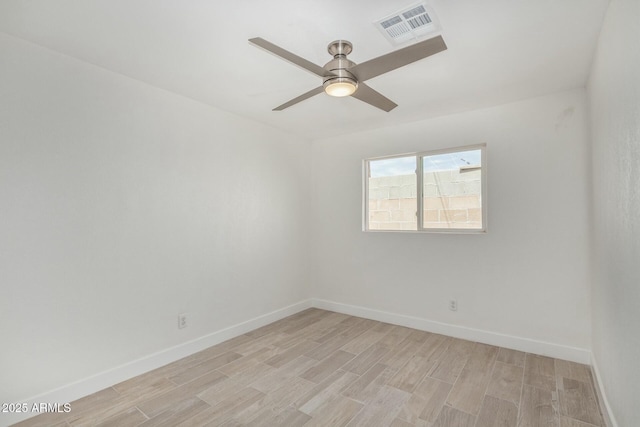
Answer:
(609, 419)
(113, 376)
(558, 351)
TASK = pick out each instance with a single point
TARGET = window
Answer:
(442, 190)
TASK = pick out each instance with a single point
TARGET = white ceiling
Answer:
(498, 51)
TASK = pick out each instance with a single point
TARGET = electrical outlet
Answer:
(453, 305)
(182, 321)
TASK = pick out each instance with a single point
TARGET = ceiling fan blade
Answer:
(372, 97)
(300, 98)
(399, 58)
(290, 57)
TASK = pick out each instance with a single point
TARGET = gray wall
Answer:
(614, 101)
(123, 205)
(528, 277)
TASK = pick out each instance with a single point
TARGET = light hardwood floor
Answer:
(319, 368)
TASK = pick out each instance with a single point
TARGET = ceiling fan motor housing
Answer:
(339, 65)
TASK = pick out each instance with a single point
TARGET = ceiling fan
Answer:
(342, 77)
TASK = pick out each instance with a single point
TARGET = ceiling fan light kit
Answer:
(342, 77)
(340, 86)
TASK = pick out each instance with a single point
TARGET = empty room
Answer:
(320, 213)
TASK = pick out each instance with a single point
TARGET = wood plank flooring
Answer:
(319, 368)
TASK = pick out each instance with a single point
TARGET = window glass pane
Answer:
(392, 194)
(452, 190)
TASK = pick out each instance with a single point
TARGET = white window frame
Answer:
(420, 191)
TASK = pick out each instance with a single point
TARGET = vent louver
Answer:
(408, 24)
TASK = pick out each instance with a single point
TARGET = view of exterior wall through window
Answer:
(430, 191)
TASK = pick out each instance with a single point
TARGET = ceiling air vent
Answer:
(408, 24)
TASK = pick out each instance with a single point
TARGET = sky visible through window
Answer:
(433, 163)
